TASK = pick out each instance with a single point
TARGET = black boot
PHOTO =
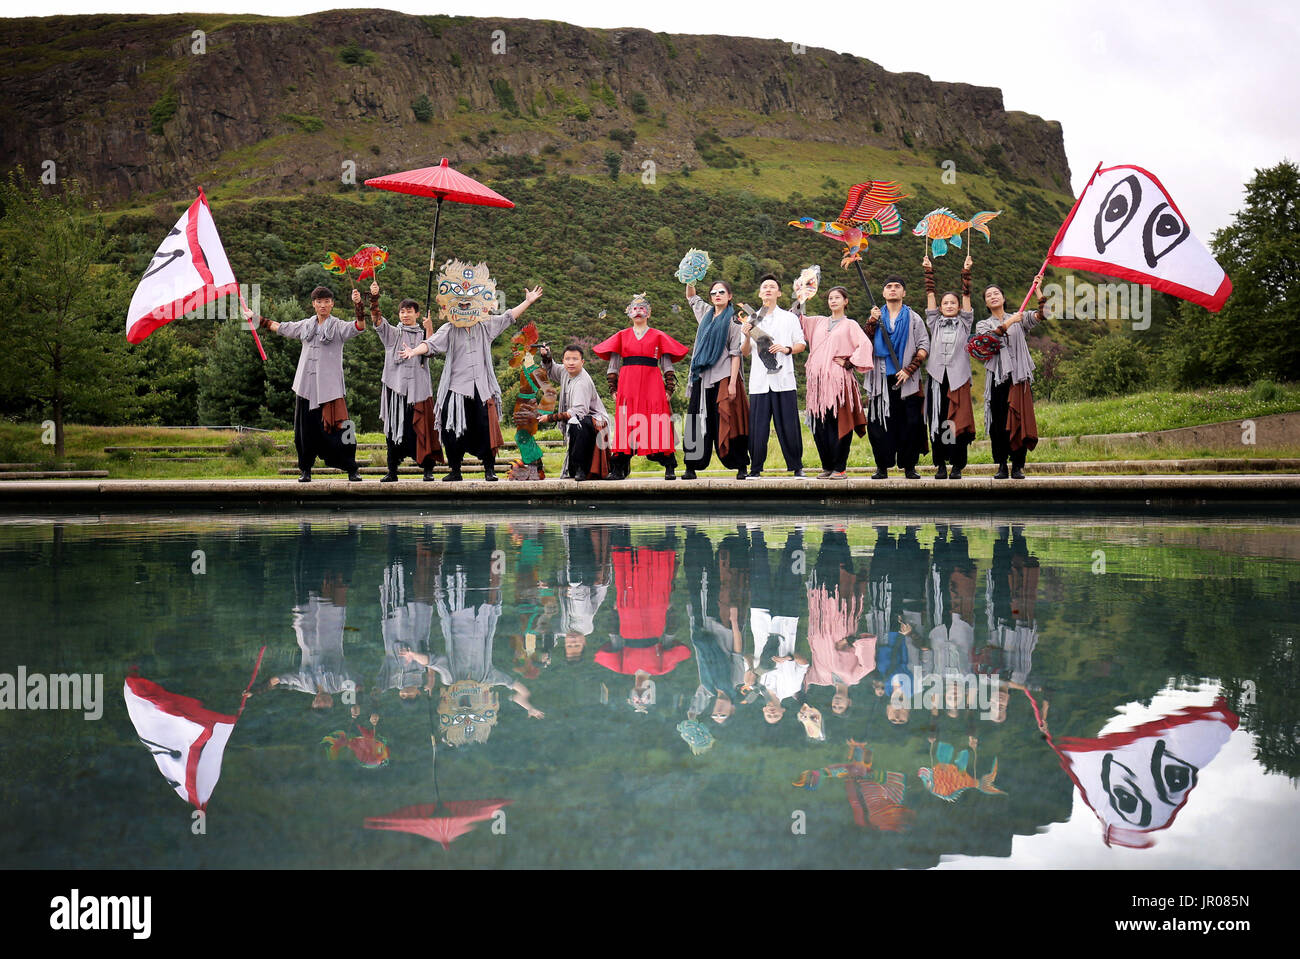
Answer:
(1017, 473)
(389, 477)
(454, 475)
(941, 472)
(1002, 472)
(428, 474)
(670, 473)
(304, 476)
(490, 472)
(355, 476)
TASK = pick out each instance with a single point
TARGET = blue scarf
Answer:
(711, 340)
(898, 331)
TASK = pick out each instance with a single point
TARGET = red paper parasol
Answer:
(441, 822)
(442, 183)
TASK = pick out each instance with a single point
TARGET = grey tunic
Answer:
(468, 370)
(407, 380)
(735, 343)
(947, 356)
(320, 364)
(1012, 360)
(577, 393)
(876, 380)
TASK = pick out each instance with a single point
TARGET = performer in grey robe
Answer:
(468, 391)
(582, 585)
(947, 402)
(320, 414)
(580, 408)
(406, 395)
(1008, 383)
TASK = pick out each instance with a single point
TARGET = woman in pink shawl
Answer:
(835, 343)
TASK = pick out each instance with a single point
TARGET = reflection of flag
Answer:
(188, 270)
(1126, 225)
(186, 738)
(1136, 781)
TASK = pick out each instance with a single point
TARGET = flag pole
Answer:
(433, 256)
(1057, 239)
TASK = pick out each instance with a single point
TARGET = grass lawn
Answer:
(249, 455)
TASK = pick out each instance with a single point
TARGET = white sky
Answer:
(1198, 92)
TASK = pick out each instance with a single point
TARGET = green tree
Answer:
(613, 163)
(232, 384)
(422, 107)
(1252, 337)
(61, 312)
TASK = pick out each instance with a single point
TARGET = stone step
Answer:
(54, 474)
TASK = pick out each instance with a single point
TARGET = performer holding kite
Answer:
(1009, 375)
(947, 402)
(406, 394)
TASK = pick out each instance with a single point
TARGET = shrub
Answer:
(638, 102)
(422, 108)
(1113, 365)
(354, 55)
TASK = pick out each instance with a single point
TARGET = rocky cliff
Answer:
(142, 106)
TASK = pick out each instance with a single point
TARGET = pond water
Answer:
(649, 691)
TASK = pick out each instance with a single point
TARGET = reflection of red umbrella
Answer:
(441, 822)
(442, 183)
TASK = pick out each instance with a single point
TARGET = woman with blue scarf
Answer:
(895, 403)
(717, 414)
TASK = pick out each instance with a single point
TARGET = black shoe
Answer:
(755, 475)
(453, 477)
(941, 472)
(670, 473)
(689, 474)
(1002, 472)
(880, 474)
(741, 475)
(911, 474)
(354, 477)
(304, 476)
(954, 475)
(389, 477)
(489, 474)
(798, 474)
(1017, 473)
(580, 476)
(428, 474)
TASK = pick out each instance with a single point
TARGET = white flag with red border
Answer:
(1125, 224)
(189, 270)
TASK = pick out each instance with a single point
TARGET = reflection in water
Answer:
(1137, 780)
(186, 739)
(732, 657)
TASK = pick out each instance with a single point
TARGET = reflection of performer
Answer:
(643, 581)
(322, 571)
(779, 603)
(581, 585)
(841, 657)
(951, 598)
(893, 614)
(641, 377)
(468, 600)
(407, 620)
(718, 641)
(1011, 598)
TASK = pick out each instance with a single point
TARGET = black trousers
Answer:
(475, 440)
(623, 461)
(833, 450)
(954, 452)
(999, 436)
(311, 440)
(703, 444)
(400, 451)
(582, 443)
(783, 410)
(901, 439)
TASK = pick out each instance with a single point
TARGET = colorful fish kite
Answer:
(948, 780)
(367, 260)
(869, 211)
(694, 266)
(370, 750)
(942, 225)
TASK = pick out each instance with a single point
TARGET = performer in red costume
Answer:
(640, 378)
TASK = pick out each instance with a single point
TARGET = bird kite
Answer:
(869, 211)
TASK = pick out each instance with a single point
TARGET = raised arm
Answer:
(965, 286)
(930, 302)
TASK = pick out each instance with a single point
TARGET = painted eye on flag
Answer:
(1117, 211)
(1165, 229)
(1125, 795)
(1174, 777)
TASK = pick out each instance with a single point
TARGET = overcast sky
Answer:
(1200, 93)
